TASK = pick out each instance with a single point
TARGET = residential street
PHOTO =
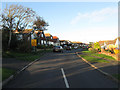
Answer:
(61, 70)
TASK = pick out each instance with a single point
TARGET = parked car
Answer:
(68, 48)
(57, 49)
(75, 47)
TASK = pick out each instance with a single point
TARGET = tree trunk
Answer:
(10, 35)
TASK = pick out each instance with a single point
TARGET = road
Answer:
(61, 70)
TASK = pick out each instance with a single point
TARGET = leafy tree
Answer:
(90, 44)
(97, 46)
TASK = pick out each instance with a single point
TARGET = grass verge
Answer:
(117, 76)
(6, 73)
(93, 59)
(25, 56)
(99, 55)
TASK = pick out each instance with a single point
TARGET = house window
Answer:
(42, 42)
(41, 35)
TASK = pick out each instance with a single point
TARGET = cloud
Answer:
(95, 16)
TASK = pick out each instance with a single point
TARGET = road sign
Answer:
(34, 42)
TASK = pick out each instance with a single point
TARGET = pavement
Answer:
(61, 70)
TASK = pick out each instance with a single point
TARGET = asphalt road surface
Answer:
(61, 70)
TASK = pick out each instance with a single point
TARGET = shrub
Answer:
(97, 46)
(24, 46)
(111, 48)
(90, 49)
(43, 47)
(40, 46)
(116, 51)
(93, 50)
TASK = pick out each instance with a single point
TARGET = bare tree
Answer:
(16, 17)
(40, 23)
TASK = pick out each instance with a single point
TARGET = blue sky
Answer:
(78, 21)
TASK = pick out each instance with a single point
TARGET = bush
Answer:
(40, 46)
(90, 49)
(24, 46)
(111, 48)
(93, 50)
(116, 51)
(43, 46)
(97, 46)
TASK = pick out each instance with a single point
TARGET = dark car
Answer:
(68, 48)
(57, 49)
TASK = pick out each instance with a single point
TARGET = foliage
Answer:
(90, 44)
(90, 49)
(43, 46)
(110, 48)
(93, 50)
(40, 24)
(5, 39)
(24, 46)
(116, 51)
(16, 17)
(97, 46)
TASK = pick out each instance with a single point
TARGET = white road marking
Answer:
(65, 79)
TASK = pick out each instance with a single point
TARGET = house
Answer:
(49, 38)
(117, 42)
(77, 43)
(56, 41)
(106, 43)
(25, 35)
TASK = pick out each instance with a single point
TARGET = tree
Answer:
(90, 44)
(16, 17)
(40, 25)
(97, 46)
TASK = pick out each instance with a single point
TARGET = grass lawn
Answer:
(93, 59)
(25, 56)
(6, 73)
(99, 55)
(117, 76)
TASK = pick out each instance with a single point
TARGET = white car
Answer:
(75, 47)
(57, 49)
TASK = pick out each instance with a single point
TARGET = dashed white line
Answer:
(65, 79)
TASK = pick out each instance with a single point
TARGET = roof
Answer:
(107, 42)
(15, 31)
(47, 34)
(55, 37)
(76, 42)
(28, 31)
(117, 38)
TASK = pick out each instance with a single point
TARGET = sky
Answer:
(77, 21)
